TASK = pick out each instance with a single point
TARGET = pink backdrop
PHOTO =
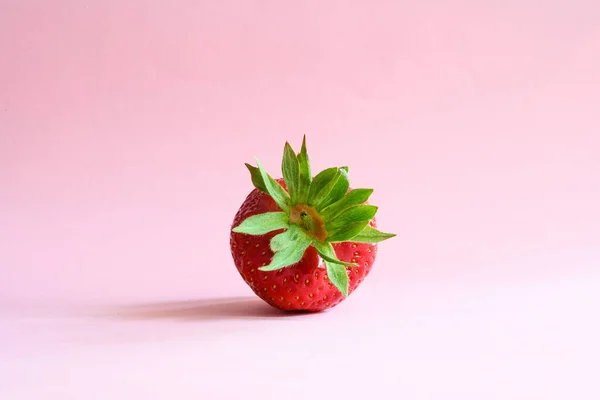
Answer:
(124, 126)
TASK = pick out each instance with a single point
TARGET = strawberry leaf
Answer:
(350, 199)
(305, 177)
(352, 214)
(338, 276)
(336, 269)
(318, 186)
(324, 193)
(347, 232)
(327, 253)
(263, 223)
(371, 235)
(337, 191)
(289, 250)
(257, 179)
(274, 189)
(291, 172)
(286, 238)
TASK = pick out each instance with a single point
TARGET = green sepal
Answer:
(335, 190)
(290, 169)
(328, 190)
(274, 189)
(256, 177)
(263, 223)
(338, 276)
(318, 186)
(350, 199)
(305, 176)
(284, 239)
(289, 250)
(347, 232)
(336, 269)
(371, 235)
(349, 223)
(327, 253)
(359, 213)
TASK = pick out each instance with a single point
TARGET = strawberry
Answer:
(302, 242)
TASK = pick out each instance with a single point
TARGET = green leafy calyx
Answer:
(316, 212)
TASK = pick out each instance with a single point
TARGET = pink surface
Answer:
(124, 127)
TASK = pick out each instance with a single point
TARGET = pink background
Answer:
(124, 126)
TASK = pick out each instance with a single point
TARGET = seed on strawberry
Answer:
(302, 242)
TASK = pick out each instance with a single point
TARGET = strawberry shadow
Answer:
(214, 309)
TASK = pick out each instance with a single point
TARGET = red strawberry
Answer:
(302, 243)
